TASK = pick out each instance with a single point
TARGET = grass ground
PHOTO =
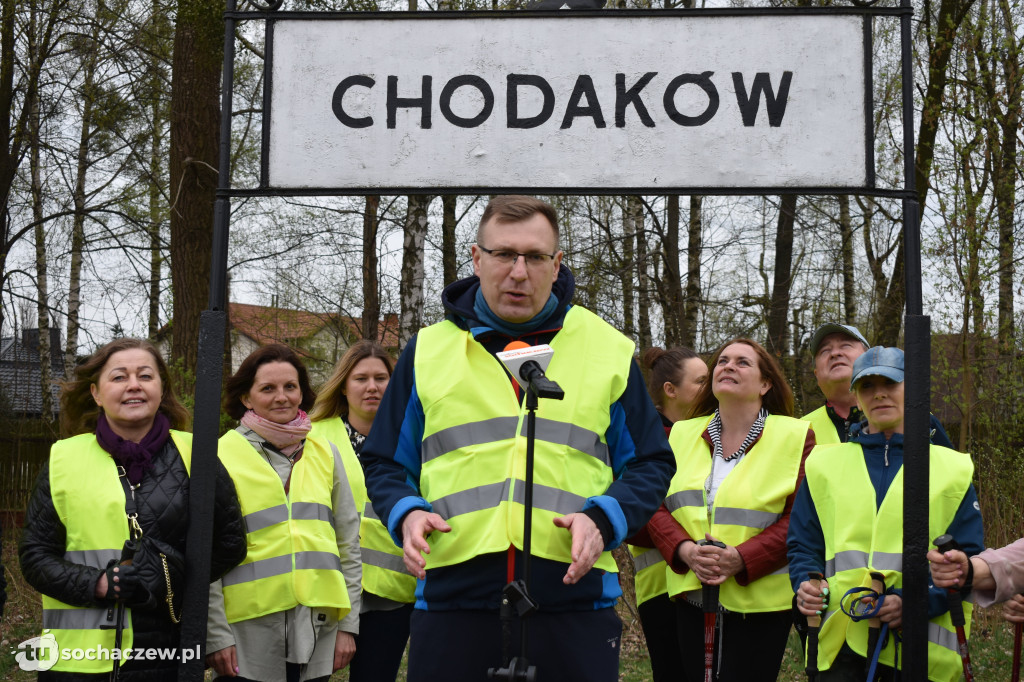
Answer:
(991, 643)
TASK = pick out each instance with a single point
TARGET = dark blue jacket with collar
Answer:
(805, 543)
(636, 442)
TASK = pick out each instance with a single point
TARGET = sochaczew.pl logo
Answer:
(37, 654)
(42, 653)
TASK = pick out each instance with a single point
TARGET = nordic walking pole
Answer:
(944, 543)
(1018, 634)
(709, 604)
(875, 623)
(813, 625)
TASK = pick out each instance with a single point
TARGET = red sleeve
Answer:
(665, 533)
(765, 553)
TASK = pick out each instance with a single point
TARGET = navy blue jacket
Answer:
(642, 461)
(805, 543)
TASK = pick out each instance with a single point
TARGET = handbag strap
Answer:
(130, 510)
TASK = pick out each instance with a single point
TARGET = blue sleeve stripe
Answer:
(610, 590)
(621, 448)
(401, 508)
(410, 439)
(610, 506)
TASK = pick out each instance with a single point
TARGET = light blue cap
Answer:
(878, 361)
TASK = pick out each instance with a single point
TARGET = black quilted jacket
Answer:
(162, 502)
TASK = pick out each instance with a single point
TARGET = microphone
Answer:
(526, 364)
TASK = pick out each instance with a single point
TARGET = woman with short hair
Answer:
(290, 611)
(847, 524)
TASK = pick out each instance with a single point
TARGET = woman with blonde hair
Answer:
(674, 378)
(290, 611)
(106, 525)
(344, 412)
(739, 462)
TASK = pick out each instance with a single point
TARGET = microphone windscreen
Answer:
(516, 345)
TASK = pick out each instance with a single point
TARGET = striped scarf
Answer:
(715, 432)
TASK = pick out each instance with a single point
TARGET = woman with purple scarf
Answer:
(290, 611)
(106, 525)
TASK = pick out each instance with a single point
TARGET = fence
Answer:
(24, 447)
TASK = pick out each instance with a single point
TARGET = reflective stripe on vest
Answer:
(824, 428)
(501, 428)
(292, 555)
(474, 443)
(96, 529)
(650, 568)
(383, 577)
(384, 571)
(860, 539)
(751, 498)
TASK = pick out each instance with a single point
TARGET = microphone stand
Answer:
(515, 597)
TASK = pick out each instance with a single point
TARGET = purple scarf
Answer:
(136, 458)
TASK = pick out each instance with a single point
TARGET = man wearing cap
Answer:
(847, 523)
(835, 347)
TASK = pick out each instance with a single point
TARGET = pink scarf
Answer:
(285, 437)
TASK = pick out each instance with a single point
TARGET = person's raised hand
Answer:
(416, 526)
(587, 545)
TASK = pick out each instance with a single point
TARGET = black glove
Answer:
(124, 585)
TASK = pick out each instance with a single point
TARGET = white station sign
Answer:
(561, 102)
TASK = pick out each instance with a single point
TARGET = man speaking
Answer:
(446, 460)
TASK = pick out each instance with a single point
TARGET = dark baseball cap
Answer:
(835, 328)
(878, 361)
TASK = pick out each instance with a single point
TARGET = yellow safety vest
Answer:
(751, 498)
(859, 540)
(96, 529)
(824, 429)
(292, 551)
(384, 572)
(650, 578)
(473, 453)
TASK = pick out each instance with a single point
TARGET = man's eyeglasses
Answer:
(506, 257)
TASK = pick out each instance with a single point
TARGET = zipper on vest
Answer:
(886, 453)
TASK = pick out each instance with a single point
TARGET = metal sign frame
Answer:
(868, 186)
(213, 322)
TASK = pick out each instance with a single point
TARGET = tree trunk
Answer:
(643, 311)
(876, 263)
(411, 286)
(778, 312)
(371, 297)
(694, 249)
(195, 131)
(626, 269)
(672, 305)
(78, 220)
(1005, 172)
(14, 123)
(449, 220)
(846, 251)
(42, 283)
(156, 210)
(951, 15)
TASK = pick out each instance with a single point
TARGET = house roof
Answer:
(20, 378)
(266, 324)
